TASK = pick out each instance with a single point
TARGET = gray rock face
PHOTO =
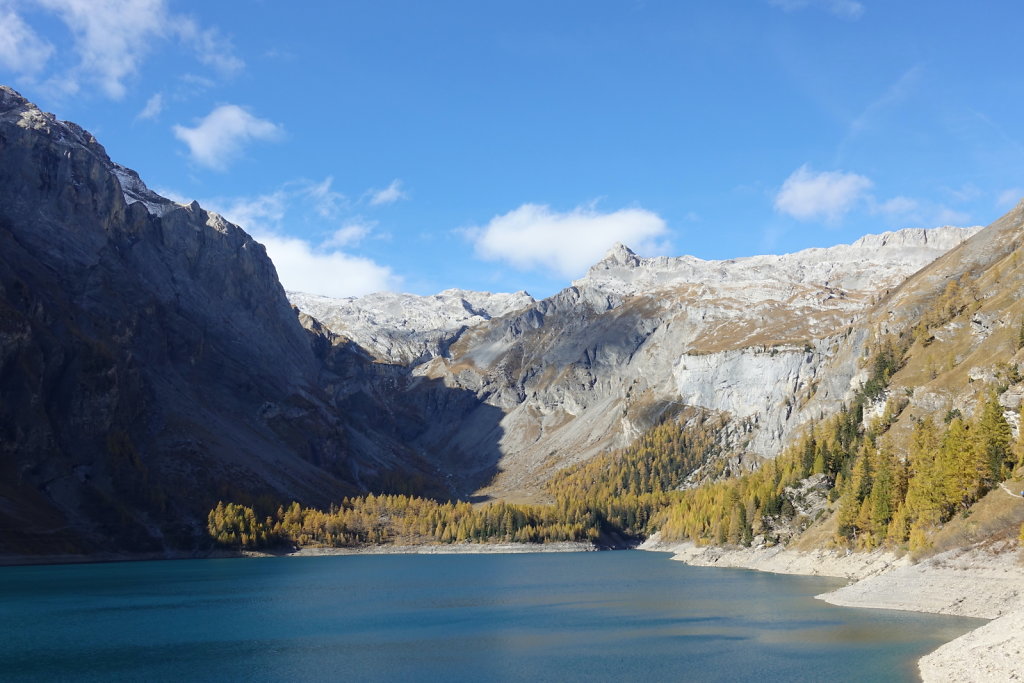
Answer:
(595, 365)
(151, 364)
(405, 328)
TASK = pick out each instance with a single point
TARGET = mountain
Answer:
(151, 364)
(599, 363)
(405, 328)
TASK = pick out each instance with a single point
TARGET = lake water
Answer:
(534, 617)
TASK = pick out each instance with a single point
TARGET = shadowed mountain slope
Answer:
(150, 365)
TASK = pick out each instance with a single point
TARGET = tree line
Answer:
(398, 519)
(620, 491)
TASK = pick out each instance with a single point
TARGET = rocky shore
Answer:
(985, 581)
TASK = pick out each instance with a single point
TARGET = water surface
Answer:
(533, 617)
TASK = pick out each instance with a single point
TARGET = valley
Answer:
(164, 396)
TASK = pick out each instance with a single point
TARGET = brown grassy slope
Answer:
(954, 365)
(996, 517)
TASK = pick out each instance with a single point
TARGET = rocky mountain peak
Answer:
(619, 255)
(16, 110)
(10, 98)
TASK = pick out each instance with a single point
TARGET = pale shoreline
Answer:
(439, 549)
(982, 581)
(309, 551)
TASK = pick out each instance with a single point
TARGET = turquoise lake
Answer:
(532, 617)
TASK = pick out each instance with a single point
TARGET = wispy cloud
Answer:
(1007, 140)
(22, 50)
(845, 9)
(154, 105)
(221, 136)
(390, 194)
(945, 215)
(349, 235)
(327, 202)
(211, 47)
(828, 195)
(868, 118)
(1009, 197)
(565, 243)
(109, 40)
(903, 212)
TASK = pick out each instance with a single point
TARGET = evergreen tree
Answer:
(883, 496)
(925, 498)
(960, 468)
(993, 439)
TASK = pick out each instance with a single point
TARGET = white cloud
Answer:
(351, 234)
(110, 41)
(154, 105)
(846, 9)
(304, 268)
(391, 193)
(221, 136)
(1009, 197)
(534, 236)
(302, 264)
(828, 195)
(21, 49)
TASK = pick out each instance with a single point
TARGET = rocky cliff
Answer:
(151, 364)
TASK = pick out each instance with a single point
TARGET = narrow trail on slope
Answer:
(1015, 495)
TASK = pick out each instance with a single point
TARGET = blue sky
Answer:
(499, 146)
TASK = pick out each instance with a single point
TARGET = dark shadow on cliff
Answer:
(423, 437)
